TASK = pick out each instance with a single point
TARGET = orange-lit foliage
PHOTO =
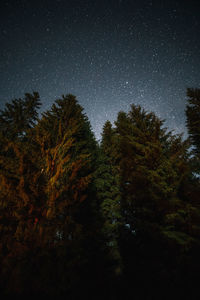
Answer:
(44, 178)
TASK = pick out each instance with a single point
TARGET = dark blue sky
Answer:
(108, 53)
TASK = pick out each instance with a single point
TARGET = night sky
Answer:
(109, 53)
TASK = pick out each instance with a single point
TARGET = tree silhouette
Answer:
(107, 221)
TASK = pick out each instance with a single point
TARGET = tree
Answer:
(67, 148)
(153, 164)
(20, 194)
(193, 118)
(74, 215)
(52, 220)
(19, 116)
(72, 221)
(108, 193)
(148, 169)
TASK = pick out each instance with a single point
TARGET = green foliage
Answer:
(108, 194)
(150, 166)
(21, 197)
(193, 117)
(77, 218)
(67, 149)
(19, 116)
(47, 198)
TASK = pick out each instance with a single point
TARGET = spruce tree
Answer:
(20, 194)
(19, 116)
(48, 206)
(108, 193)
(71, 219)
(153, 165)
(193, 117)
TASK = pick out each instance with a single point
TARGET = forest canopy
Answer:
(115, 220)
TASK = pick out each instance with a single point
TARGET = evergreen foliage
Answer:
(19, 116)
(104, 221)
(153, 167)
(108, 193)
(193, 126)
(193, 117)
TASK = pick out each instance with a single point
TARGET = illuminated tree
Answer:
(47, 200)
(21, 196)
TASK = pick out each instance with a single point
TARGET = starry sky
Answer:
(109, 53)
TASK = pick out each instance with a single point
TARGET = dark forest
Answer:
(118, 219)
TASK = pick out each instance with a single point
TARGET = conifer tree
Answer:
(108, 193)
(193, 124)
(20, 194)
(74, 215)
(153, 165)
(70, 225)
(67, 146)
(193, 117)
(19, 116)
(48, 202)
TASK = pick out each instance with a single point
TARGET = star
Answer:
(107, 55)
